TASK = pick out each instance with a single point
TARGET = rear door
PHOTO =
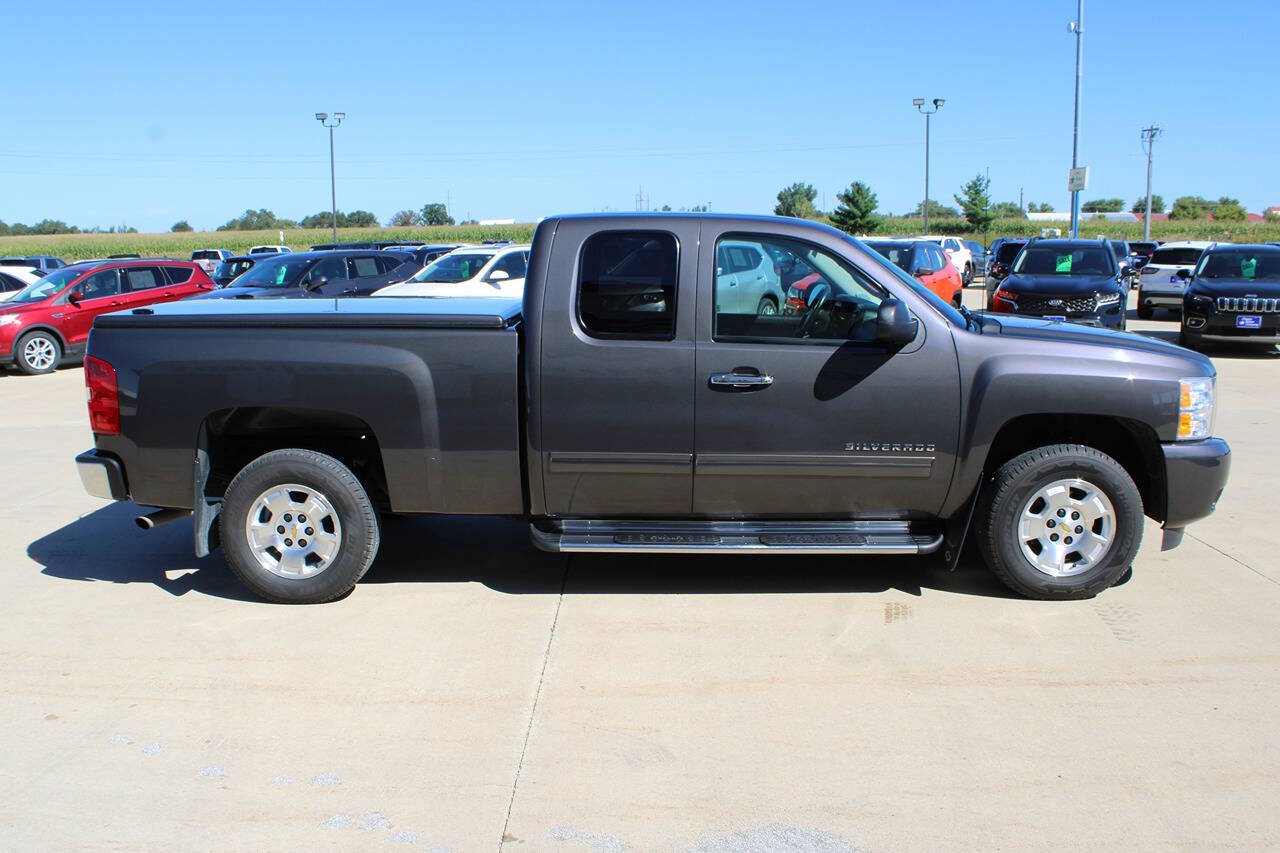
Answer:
(614, 378)
(806, 416)
(143, 286)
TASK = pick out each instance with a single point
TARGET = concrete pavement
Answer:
(474, 694)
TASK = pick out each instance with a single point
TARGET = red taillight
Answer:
(104, 396)
(1004, 302)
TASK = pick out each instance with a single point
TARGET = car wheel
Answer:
(37, 352)
(297, 527)
(1060, 522)
(767, 307)
(967, 279)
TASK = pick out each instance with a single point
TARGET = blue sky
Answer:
(197, 111)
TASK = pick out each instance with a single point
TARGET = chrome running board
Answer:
(732, 537)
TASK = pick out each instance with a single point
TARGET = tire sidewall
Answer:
(1124, 497)
(359, 526)
(19, 354)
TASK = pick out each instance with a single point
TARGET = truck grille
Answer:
(1029, 303)
(1248, 304)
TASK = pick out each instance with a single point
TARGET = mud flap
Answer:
(957, 527)
(204, 513)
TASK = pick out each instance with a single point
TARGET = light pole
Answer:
(324, 118)
(1077, 27)
(1149, 135)
(919, 105)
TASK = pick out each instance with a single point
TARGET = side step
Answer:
(733, 537)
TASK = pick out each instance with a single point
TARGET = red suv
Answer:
(50, 319)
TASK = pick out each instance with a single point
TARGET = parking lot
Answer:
(476, 694)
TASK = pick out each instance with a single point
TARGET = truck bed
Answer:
(434, 383)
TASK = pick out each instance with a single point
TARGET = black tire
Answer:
(1017, 481)
(768, 306)
(44, 341)
(1145, 312)
(359, 529)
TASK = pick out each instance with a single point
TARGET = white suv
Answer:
(208, 259)
(747, 279)
(269, 250)
(959, 254)
(469, 271)
(1159, 285)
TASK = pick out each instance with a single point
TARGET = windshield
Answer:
(898, 254)
(454, 267)
(1007, 252)
(919, 289)
(206, 255)
(46, 287)
(1065, 260)
(1252, 266)
(282, 271)
(1176, 257)
(230, 269)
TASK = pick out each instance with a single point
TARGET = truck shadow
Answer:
(105, 547)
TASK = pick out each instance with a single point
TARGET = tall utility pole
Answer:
(324, 119)
(1149, 135)
(918, 103)
(1077, 27)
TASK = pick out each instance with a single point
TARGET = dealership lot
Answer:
(474, 693)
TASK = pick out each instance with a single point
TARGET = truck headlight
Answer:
(1195, 408)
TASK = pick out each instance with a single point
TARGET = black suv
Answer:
(1073, 280)
(1233, 297)
(1000, 258)
(343, 272)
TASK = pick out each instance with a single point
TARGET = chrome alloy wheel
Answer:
(1067, 527)
(293, 531)
(39, 353)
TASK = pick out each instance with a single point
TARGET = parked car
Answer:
(1233, 296)
(474, 271)
(616, 410)
(232, 268)
(209, 259)
(1004, 250)
(927, 262)
(1159, 285)
(344, 272)
(269, 250)
(1141, 252)
(978, 254)
(1077, 281)
(1123, 255)
(43, 263)
(15, 279)
(748, 279)
(48, 321)
(959, 254)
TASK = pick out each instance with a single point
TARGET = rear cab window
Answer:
(627, 285)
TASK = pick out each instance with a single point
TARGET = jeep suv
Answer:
(1233, 296)
(1077, 281)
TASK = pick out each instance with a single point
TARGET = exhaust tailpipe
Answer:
(159, 517)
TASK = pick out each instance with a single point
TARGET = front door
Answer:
(613, 414)
(804, 415)
(96, 294)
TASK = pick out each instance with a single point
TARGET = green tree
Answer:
(797, 200)
(1190, 207)
(1042, 207)
(1103, 205)
(53, 226)
(856, 212)
(436, 213)
(1007, 210)
(1140, 206)
(1229, 210)
(402, 218)
(254, 220)
(181, 225)
(975, 201)
(361, 219)
(937, 210)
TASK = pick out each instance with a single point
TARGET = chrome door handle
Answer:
(744, 381)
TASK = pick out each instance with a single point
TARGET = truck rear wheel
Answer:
(297, 527)
(1060, 522)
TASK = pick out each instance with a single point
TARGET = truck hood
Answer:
(1051, 331)
(1235, 287)
(1060, 285)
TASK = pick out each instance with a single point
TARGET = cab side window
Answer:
(627, 285)
(796, 293)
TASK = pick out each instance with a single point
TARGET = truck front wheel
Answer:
(297, 527)
(1060, 522)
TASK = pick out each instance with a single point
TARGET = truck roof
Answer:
(403, 312)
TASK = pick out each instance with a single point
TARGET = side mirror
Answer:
(894, 323)
(1183, 274)
(923, 271)
(499, 275)
(74, 297)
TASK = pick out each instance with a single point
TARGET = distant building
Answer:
(497, 222)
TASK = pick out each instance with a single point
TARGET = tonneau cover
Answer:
(422, 312)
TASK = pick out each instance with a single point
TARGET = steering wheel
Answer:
(815, 299)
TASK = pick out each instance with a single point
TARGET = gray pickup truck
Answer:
(669, 384)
